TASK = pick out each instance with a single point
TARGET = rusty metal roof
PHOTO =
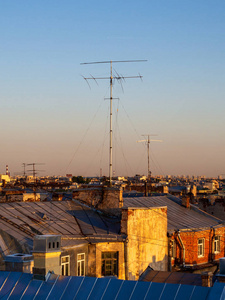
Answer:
(75, 222)
(179, 217)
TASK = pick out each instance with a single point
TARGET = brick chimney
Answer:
(186, 201)
(221, 275)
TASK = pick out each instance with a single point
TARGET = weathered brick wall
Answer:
(190, 241)
(147, 239)
(109, 200)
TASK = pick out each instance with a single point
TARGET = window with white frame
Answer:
(201, 247)
(65, 265)
(81, 264)
(216, 244)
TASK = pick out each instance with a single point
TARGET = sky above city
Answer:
(50, 115)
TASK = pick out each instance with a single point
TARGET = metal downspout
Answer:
(126, 241)
(212, 248)
(182, 244)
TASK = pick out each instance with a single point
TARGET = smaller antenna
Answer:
(24, 169)
(147, 142)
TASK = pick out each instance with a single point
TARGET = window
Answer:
(109, 263)
(201, 247)
(81, 264)
(65, 264)
(216, 244)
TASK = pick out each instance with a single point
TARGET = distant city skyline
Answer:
(50, 115)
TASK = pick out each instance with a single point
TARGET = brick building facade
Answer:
(197, 247)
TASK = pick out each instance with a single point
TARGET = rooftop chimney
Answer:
(207, 279)
(19, 262)
(186, 201)
(221, 275)
(46, 253)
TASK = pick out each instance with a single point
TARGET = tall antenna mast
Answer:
(118, 78)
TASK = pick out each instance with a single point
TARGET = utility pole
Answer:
(118, 78)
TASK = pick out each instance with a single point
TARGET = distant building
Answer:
(4, 179)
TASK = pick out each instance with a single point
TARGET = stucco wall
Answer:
(147, 240)
(73, 252)
(95, 258)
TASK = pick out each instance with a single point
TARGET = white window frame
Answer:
(201, 247)
(216, 244)
(80, 263)
(64, 264)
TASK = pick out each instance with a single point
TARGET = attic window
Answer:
(53, 245)
(49, 245)
(57, 244)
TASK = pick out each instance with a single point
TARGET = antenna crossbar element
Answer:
(113, 61)
(114, 77)
(111, 77)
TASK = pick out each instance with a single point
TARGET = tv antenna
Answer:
(119, 78)
(24, 169)
(34, 171)
(147, 142)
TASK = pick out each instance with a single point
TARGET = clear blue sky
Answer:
(49, 115)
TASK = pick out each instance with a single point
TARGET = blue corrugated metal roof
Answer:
(22, 286)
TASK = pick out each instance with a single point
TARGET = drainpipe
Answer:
(182, 244)
(213, 237)
(126, 241)
(169, 254)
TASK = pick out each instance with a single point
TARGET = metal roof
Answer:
(15, 285)
(72, 220)
(179, 217)
(172, 277)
